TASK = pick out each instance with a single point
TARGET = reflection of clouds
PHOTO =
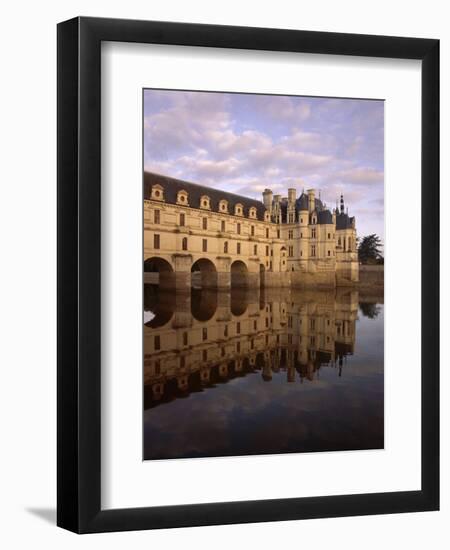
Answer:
(249, 417)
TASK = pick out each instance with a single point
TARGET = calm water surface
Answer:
(245, 373)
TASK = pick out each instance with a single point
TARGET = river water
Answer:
(253, 372)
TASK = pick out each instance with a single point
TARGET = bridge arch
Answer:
(158, 271)
(203, 274)
(239, 274)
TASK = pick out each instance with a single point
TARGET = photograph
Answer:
(263, 274)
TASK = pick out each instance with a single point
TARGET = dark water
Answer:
(254, 373)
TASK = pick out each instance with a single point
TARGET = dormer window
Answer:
(205, 202)
(314, 220)
(238, 209)
(182, 198)
(223, 206)
(267, 216)
(157, 192)
(252, 212)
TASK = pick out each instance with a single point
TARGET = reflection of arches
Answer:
(159, 306)
(238, 301)
(158, 271)
(239, 274)
(204, 274)
(203, 304)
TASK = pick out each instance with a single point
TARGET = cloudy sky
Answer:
(244, 143)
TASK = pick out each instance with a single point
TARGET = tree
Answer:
(369, 250)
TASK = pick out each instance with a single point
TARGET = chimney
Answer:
(267, 199)
(292, 195)
(311, 200)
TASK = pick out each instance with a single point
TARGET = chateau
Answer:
(199, 237)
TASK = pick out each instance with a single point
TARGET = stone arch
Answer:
(158, 271)
(239, 274)
(203, 274)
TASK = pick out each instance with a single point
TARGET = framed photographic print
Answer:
(248, 258)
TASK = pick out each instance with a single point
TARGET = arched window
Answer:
(182, 197)
(205, 202)
(239, 209)
(157, 192)
(223, 205)
(252, 212)
(184, 243)
(225, 247)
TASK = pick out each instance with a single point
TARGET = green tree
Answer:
(369, 250)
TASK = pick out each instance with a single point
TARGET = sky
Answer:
(244, 143)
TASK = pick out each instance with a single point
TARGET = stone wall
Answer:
(371, 276)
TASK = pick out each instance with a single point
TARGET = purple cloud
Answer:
(244, 143)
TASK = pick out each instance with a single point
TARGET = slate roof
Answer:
(343, 221)
(324, 216)
(172, 186)
(302, 203)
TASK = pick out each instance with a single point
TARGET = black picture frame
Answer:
(79, 281)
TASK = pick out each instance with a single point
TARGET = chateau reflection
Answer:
(194, 342)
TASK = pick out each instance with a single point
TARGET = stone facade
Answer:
(200, 237)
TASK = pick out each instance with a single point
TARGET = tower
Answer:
(292, 195)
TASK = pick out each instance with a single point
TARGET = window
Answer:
(225, 247)
(329, 235)
(301, 220)
(252, 230)
(184, 243)
(291, 234)
(182, 220)
(278, 233)
(238, 228)
(255, 325)
(156, 241)
(313, 251)
(205, 223)
(255, 249)
(157, 216)
(329, 253)
(301, 235)
(185, 338)
(223, 206)
(157, 342)
(238, 347)
(204, 245)
(291, 251)
(267, 232)
(222, 226)
(205, 333)
(205, 355)
(313, 233)
(238, 248)
(225, 331)
(238, 328)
